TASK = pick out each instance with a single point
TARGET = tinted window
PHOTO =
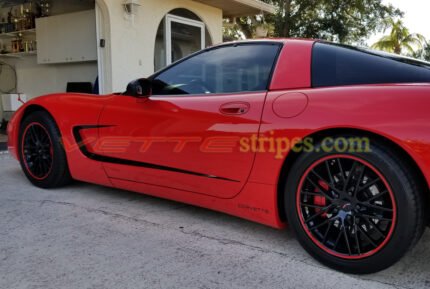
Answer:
(334, 65)
(230, 69)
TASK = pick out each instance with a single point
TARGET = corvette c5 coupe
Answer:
(332, 140)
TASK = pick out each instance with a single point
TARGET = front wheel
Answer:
(41, 154)
(355, 212)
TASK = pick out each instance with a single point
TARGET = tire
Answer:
(389, 211)
(41, 153)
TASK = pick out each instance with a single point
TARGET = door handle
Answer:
(235, 108)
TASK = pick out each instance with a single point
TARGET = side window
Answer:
(230, 69)
(334, 65)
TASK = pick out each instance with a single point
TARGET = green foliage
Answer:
(245, 27)
(424, 53)
(231, 31)
(345, 21)
(400, 39)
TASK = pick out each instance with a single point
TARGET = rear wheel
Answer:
(41, 153)
(355, 212)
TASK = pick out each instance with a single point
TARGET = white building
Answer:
(82, 40)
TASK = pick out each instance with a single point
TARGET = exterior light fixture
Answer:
(131, 6)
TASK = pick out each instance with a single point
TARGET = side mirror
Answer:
(139, 88)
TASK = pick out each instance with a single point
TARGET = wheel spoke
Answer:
(359, 181)
(327, 231)
(330, 175)
(368, 185)
(32, 166)
(374, 217)
(44, 139)
(328, 221)
(350, 175)
(342, 173)
(367, 237)
(357, 242)
(370, 222)
(318, 214)
(31, 136)
(338, 238)
(347, 240)
(331, 186)
(377, 207)
(46, 165)
(34, 134)
(374, 198)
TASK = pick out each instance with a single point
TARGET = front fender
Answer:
(68, 111)
(14, 124)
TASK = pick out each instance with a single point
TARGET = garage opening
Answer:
(46, 47)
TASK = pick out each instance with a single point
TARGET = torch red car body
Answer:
(197, 149)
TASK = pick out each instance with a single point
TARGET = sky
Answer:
(417, 16)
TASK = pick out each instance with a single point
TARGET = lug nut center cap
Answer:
(347, 207)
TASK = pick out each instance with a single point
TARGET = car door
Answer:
(187, 135)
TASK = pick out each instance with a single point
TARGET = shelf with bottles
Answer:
(18, 54)
(18, 33)
(21, 18)
(20, 45)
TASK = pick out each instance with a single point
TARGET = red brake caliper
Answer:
(321, 200)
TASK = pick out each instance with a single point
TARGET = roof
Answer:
(274, 40)
(236, 8)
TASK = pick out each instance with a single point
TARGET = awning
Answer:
(236, 8)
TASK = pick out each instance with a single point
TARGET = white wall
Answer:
(133, 40)
(35, 80)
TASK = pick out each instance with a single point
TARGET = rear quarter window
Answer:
(335, 65)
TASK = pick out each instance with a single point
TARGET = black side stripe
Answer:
(112, 160)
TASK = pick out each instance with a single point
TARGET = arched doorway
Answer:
(180, 33)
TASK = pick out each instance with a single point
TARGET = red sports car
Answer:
(332, 140)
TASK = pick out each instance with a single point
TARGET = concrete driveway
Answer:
(86, 236)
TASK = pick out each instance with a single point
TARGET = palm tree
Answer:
(426, 53)
(399, 39)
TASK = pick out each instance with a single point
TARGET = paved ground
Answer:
(86, 236)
